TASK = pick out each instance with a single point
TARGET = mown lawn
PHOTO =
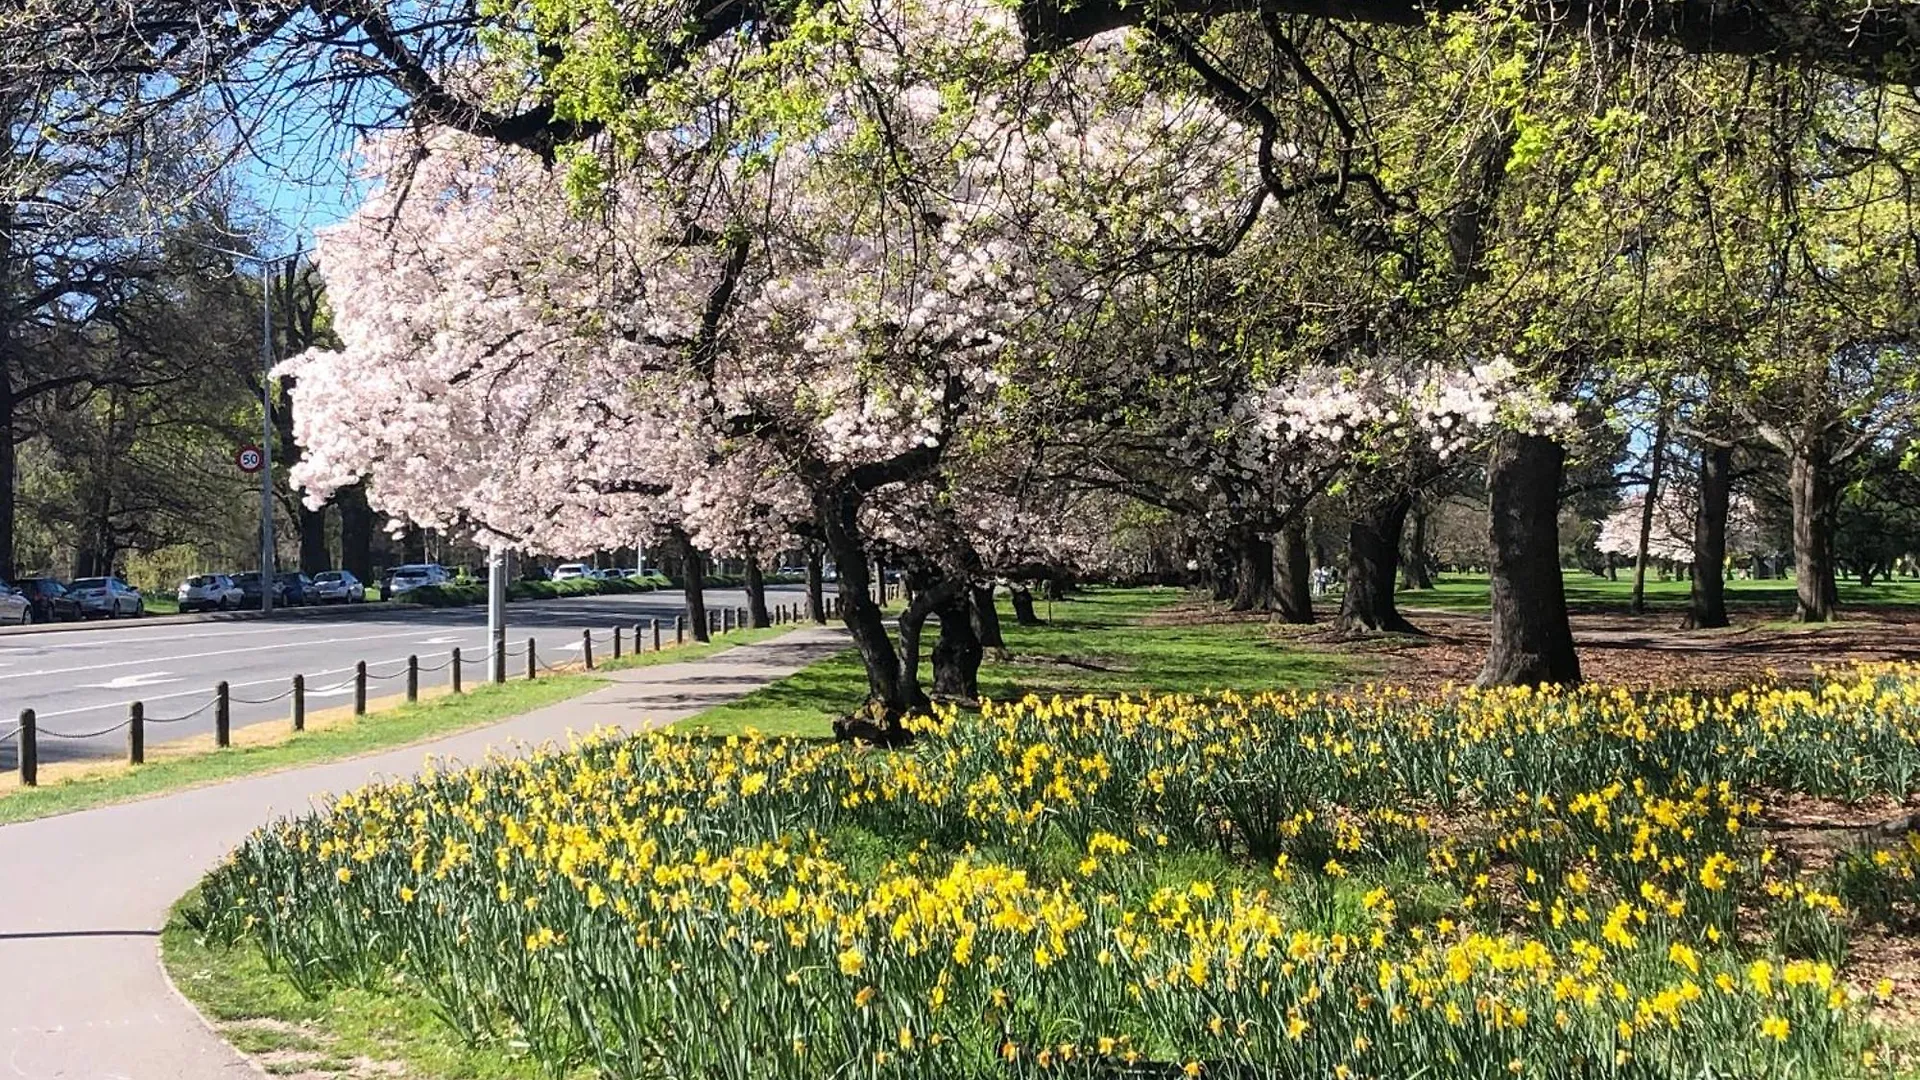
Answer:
(1589, 592)
(1101, 641)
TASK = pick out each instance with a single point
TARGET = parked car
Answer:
(49, 599)
(107, 596)
(415, 575)
(338, 587)
(249, 583)
(210, 592)
(567, 571)
(655, 578)
(793, 571)
(297, 588)
(14, 605)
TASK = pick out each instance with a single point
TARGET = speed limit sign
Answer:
(249, 458)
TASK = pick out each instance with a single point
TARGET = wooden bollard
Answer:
(29, 736)
(530, 658)
(136, 733)
(500, 661)
(679, 629)
(413, 679)
(360, 688)
(299, 703)
(453, 665)
(586, 648)
(222, 716)
(617, 629)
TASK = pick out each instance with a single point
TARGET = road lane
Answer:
(80, 683)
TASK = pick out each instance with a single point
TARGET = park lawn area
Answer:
(331, 735)
(1100, 641)
(1590, 592)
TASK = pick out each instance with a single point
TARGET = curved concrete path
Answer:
(83, 896)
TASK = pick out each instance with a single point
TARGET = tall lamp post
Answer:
(267, 264)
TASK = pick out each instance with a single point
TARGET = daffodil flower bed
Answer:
(1482, 884)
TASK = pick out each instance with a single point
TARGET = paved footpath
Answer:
(83, 897)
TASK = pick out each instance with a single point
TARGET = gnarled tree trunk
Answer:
(693, 574)
(757, 612)
(957, 655)
(314, 556)
(1811, 487)
(1416, 569)
(888, 691)
(1294, 589)
(356, 531)
(1707, 606)
(816, 585)
(1373, 563)
(1638, 603)
(1252, 570)
(986, 620)
(1532, 640)
(1023, 613)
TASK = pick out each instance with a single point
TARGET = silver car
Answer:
(209, 592)
(108, 596)
(14, 605)
(338, 587)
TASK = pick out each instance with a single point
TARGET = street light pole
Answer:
(266, 436)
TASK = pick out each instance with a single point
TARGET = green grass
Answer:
(343, 1031)
(102, 783)
(1096, 643)
(1589, 592)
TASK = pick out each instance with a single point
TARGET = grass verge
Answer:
(331, 735)
(1100, 641)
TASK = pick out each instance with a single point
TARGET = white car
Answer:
(567, 571)
(107, 596)
(338, 587)
(14, 605)
(209, 592)
(407, 578)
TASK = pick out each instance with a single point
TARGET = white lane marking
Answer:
(128, 682)
(345, 687)
(203, 655)
(442, 640)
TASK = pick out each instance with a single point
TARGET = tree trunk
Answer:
(356, 531)
(929, 596)
(816, 585)
(1866, 576)
(1416, 569)
(1373, 557)
(957, 655)
(1023, 614)
(1613, 567)
(1252, 571)
(986, 620)
(9, 465)
(693, 577)
(1707, 606)
(1638, 604)
(1294, 588)
(757, 612)
(1532, 640)
(314, 556)
(838, 515)
(1810, 487)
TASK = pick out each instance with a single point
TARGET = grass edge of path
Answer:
(332, 735)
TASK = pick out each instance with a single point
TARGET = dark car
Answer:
(249, 583)
(49, 599)
(296, 589)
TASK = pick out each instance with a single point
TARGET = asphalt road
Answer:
(81, 681)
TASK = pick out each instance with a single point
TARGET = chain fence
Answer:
(26, 731)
